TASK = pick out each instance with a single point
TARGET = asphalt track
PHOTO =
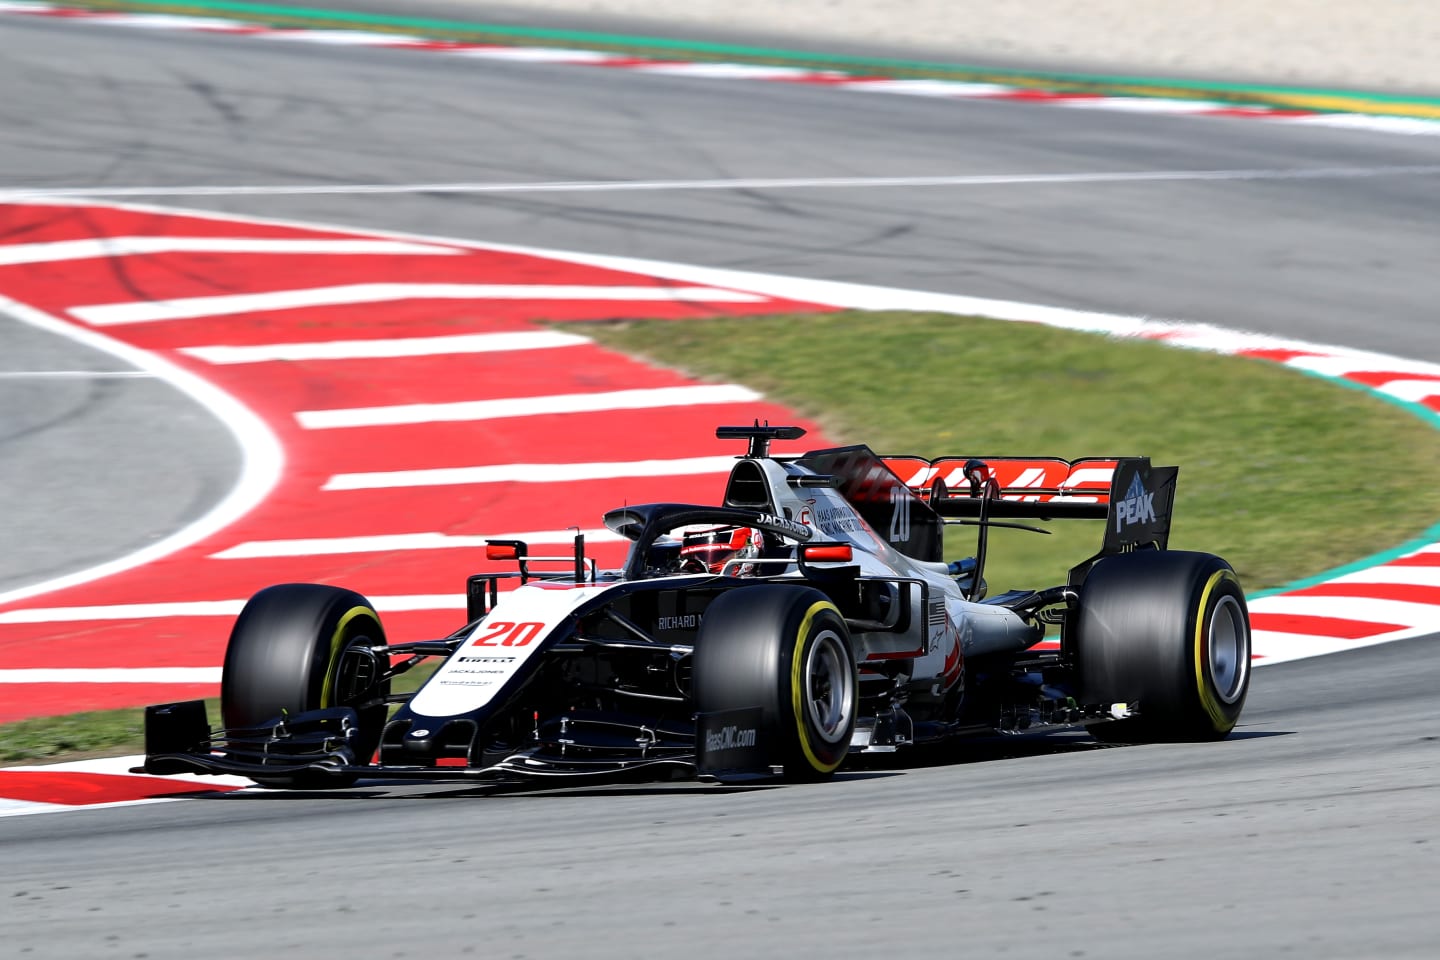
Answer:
(1314, 831)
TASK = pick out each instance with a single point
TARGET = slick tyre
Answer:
(1170, 630)
(785, 650)
(298, 647)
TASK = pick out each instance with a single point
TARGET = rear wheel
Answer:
(1170, 630)
(785, 650)
(303, 646)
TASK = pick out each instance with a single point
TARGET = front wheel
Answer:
(1170, 630)
(304, 646)
(784, 650)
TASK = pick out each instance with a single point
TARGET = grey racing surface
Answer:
(97, 459)
(1314, 831)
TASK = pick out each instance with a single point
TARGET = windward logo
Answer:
(1137, 507)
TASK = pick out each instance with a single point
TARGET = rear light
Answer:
(501, 551)
(827, 553)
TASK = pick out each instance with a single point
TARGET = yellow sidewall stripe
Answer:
(327, 692)
(1212, 705)
(797, 685)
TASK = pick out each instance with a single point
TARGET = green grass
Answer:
(109, 733)
(1283, 474)
(98, 733)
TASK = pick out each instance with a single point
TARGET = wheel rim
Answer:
(355, 672)
(1229, 649)
(829, 686)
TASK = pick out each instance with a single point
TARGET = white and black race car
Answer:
(807, 617)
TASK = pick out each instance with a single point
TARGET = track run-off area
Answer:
(399, 400)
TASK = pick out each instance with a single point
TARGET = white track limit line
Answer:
(1394, 574)
(345, 38)
(1401, 613)
(164, 21)
(1077, 178)
(530, 473)
(112, 314)
(18, 253)
(210, 608)
(387, 349)
(399, 543)
(124, 611)
(469, 410)
(111, 675)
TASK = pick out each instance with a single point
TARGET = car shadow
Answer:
(424, 790)
(860, 767)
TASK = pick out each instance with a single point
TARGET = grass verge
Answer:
(1283, 474)
(111, 733)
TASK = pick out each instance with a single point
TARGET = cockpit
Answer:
(678, 538)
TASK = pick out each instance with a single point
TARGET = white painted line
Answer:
(8, 7)
(1218, 341)
(76, 375)
(858, 296)
(1141, 105)
(209, 608)
(126, 611)
(526, 406)
(535, 54)
(17, 253)
(1283, 647)
(112, 675)
(1362, 609)
(531, 473)
(375, 349)
(161, 21)
(729, 71)
(833, 293)
(112, 314)
(345, 38)
(1410, 126)
(400, 542)
(1412, 390)
(1280, 648)
(928, 88)
(1391, 573)
(739, 183)
(1347, 365)
(262, 461)
(120, 767)
(20, 808)
(1261, 640)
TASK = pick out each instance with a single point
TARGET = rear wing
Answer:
(1134, 498)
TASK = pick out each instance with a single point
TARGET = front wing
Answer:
(319, 744)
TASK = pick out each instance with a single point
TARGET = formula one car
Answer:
(807, 617)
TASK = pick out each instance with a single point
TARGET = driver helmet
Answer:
(711, 549)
